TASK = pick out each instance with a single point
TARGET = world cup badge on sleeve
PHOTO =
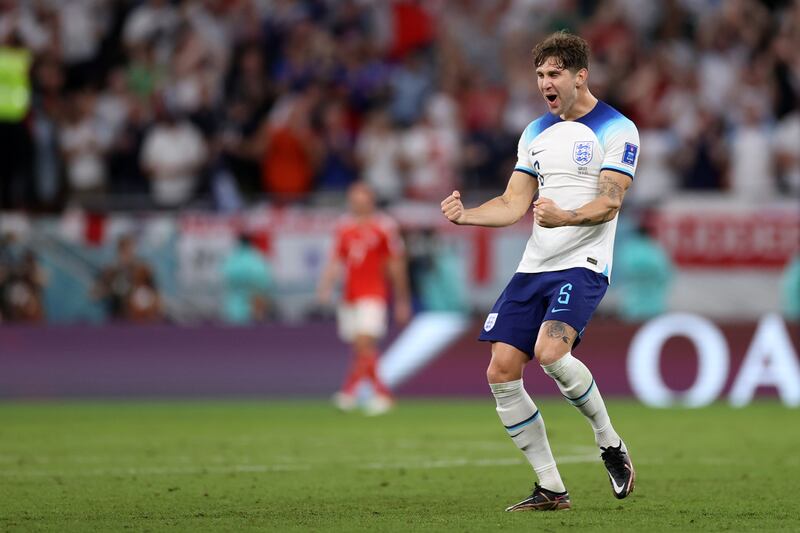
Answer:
(583, 152)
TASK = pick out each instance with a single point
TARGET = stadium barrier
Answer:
(715, 243)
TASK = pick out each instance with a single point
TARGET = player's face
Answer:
(361, 200)
(559, 86)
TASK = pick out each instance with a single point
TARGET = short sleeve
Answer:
(621, 148)
(339, 243)
(523, 159)
(391, 236)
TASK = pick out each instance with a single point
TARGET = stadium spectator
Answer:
(288, 147)
(172, 157)
(790, 290)
(248, 284)
(379, 156)
(142, 302)
(46, 115)
(116, 283)
(645, 271)
(84, 142)
(430, 150)
(438, 280)
(367, 249)
(787, 153)
(150, 21)
(750, 154)
(338, 167)
(17, 27)
(21, 289)
(410, 83)
(704, 158)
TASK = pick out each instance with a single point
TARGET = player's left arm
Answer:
(331, 272)
(612, 186)
(398, 274)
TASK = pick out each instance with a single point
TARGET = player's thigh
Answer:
(346, 322)
(364, 318)
(371, 318)
(517, 314)
(507, 363)
(554, 341)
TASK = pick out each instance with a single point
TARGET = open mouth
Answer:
(551, 97)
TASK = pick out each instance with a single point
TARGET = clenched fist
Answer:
(453, 209)
(548, 215)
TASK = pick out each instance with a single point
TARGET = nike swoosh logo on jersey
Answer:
(554, 310)
(533, 154)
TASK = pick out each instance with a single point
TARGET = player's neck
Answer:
(585, 103)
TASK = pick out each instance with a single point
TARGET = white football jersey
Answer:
(566, 156)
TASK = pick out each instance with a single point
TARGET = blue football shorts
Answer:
(569, 296)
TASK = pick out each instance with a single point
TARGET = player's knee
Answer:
(497, 374)
(549, 352)
(501, 372)
(364, 344)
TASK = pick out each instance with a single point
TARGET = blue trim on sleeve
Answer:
(527, 171)
(620, 170)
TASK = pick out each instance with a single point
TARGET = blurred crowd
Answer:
(22, 282)
(222, 103)
(125, 287)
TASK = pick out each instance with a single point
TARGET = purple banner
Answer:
(309, 360)
(170, 360)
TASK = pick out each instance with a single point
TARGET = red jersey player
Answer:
(369, 249)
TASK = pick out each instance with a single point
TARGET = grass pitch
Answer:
(427, 466)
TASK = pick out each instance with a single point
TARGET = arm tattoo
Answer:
(584, 221)
(557, 329)
(610, 188)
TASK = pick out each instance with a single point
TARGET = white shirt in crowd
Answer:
(172, 156)
(84, 143)
(787, 149)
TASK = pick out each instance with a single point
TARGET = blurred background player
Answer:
(367, 249)
(579, 158)
(248, 283)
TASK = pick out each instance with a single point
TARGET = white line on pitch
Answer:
(156, 471)
(450, 463)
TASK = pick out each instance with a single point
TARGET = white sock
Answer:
(525, 426)
(578, 387)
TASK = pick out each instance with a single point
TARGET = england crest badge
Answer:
(490, 321)
(583, 152)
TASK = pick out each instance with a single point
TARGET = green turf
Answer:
(428, 466)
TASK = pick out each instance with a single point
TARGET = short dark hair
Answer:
(570, 51)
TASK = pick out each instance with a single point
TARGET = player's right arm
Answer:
(503, 210)
(329, 277)
(331, 272)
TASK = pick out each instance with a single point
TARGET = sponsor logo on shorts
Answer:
(490, 321)
(554, 310)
